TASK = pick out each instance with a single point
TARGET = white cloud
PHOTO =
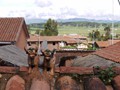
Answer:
(59, 8)
(43, 3)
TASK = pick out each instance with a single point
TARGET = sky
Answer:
(61, 9)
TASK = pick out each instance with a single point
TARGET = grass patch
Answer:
(68, 29)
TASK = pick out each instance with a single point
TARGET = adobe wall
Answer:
(22, 40)
(51, 46)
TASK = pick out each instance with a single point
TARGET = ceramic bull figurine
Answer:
(48, 64)
(32, 52)
(45, 60)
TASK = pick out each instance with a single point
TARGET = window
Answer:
(53, 43)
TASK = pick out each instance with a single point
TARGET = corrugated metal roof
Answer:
(10, 28)
(92, 60)
(14, 55)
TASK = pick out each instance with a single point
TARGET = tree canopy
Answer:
(50, 28)
(107, 33)
(95, 35)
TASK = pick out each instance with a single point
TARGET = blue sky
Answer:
(60, 9)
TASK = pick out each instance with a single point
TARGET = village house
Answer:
(53, 42)
(13, 31)
(81, 41)
(59, 42)
(78, 38)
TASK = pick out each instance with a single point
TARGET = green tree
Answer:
(37, 32)
(95, 35)
(50, 28)
(107, 33)
(90, 35)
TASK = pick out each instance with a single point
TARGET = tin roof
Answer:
(14, 55)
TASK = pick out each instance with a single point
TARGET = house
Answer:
(77, 37)
(82, 46)
(54, 42)
(57, 42)
(13, 31)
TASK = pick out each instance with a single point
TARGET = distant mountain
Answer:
(84, 19)
(29, 21)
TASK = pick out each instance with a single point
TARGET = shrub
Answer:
(106, 75)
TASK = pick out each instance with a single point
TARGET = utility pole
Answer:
(112, 22)
(93, 39)
(39, 49)
(39, 40)
(119, 2)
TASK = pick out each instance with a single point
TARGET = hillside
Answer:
(79, 26)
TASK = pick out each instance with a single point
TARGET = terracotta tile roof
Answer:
(111, 52)
(10, 28)
(33, 38)
(71, 41)
(114, 41)
(76, 36)
(42, 38)
(102, 44)
(50, 38)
